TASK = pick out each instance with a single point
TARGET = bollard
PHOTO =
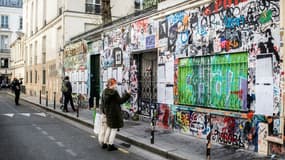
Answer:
(208, 146)
(40, 96)
(54, 102)
(46, 98)
(78, 104)
(152, 124)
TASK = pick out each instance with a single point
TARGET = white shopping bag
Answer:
(103, 128)
(97, 122)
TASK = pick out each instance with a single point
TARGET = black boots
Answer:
(104, 146)
(112, 148)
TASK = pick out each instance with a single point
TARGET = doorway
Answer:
(94, 80)
(147, 82)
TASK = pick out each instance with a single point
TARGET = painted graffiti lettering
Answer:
(265, 17)
(183, 120)
(193, 123)
(224, 4)
(144, 108)
(219, 5)
(175, 18)
(234, 22)
(134, 86)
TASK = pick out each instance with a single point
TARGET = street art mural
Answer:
(249, 27)
(242, 133)
(208, 56)
(116, 60)
(217, 81)
(190, 122)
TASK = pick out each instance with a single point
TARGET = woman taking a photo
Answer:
(111, 107)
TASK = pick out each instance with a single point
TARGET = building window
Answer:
(59, 6)
(44, 12)
(36, 53)
(20, 23)
(36, 76)
(4, 62)
(4, 42)
(44, 50)
(44, 76)
(138, 4)
(4, 21)
(31, 53)
(31, 77)
(27, 75)
(149, 3)
(93, 6)
(32, 19)
(36, 16)
(11, 3)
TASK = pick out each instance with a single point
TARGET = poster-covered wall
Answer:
(241, 26)
(116, 59)
(75, 66)
(224, 55)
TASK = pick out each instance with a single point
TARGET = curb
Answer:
(150, 148)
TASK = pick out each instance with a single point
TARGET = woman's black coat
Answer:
(111, 107)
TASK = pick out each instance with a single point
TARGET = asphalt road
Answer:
(30, 133)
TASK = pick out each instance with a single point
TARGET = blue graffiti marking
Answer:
(234, 22)
(175, 18)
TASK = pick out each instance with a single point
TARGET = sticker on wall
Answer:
(163, 116)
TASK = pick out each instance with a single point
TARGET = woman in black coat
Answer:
(111, 107)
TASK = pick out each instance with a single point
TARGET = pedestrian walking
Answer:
(67, 91)
(111, 108)
(16, 87)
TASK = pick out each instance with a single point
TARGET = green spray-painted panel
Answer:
(218, 81)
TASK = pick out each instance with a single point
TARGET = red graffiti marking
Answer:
(220, 5)
(224, 4)
(207, 11)
(238, 93)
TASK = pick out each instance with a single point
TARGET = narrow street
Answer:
(28, 133)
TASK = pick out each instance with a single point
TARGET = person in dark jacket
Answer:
(111, 107)
(16, 87)
(67, 94)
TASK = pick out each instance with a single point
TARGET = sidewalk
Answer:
(168, 144)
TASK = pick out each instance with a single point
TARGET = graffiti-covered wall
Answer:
(116, 60)
(248, 26)
(222, 58)
(226, 57)
(75, 67)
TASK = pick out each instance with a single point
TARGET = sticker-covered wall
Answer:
(226, 56)
(75, 66)
(248, 26)
(222, 57)
(116, 60)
